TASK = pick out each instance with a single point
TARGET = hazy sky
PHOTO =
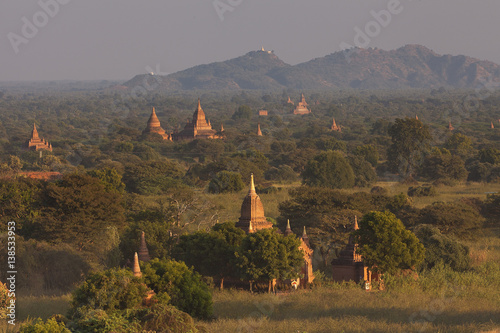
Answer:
(116, 39)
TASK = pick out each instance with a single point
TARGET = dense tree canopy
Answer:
(386, 245)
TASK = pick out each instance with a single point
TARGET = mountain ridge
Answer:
(410, 66)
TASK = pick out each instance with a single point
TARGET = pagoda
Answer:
(349, 264)
(450, 127)
(154, 126)
(252, 212)
(259, 132)
(335, 127)
(198, 128)
(302, 107)
(35, 143)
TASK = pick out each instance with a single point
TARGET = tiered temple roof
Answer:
(154, 126)
(36, 143)
(198, 128)
(302, 107)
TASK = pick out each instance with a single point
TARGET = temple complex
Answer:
(335, 127)
(154, 126)
(302, 107)
(349, 265)
(198, 128)
(263, 113)
(252, 219)
(35, 143)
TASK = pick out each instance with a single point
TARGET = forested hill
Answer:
(411, 66)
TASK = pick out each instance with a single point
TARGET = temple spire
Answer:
(259, 132)
(492, 126)
(222, 128)
(34, 133)
(288, 230)
(252, 185)
(356, 227)
(136, 268)
(143, 248)
(199, 104)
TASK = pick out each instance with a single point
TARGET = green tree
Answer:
(385, 244)
(364, 173)
(266, 255)
(111, 290)
(155, 177)
(459, 144)
(410, 140)
(243, 112)
(369, 153)
(329, 169)
(187, 290)
(439, 166)
(441, 248)
(226, 182)
(111, 179)
(489, 155)
(211, 253)
(77, 209)
(457, 218)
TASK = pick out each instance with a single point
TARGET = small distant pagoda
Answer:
(198, 128)
(154, 126)
(302, 107)
(259, 132)
(450, 127)
(335, 127)
(35, 143)
(491, 125)
(290, 101)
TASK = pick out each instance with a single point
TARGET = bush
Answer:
(226, 182)
(458, 219)
(187, 290)
(51, 326)
(329, 169)
(114, 289)
(379, 190)
(441, 248)
(422, 191)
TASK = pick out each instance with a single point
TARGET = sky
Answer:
(117, 39)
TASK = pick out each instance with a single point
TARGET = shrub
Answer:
(39, 326)
(422, 191)
(329, 169)
(114, 289)
(441, 248)
(187, 290)
(226, 182)
(452, 218)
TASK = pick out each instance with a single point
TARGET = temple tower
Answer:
(36, 143)
(259, 132)
(154, 126)
(252, 212)
(143, 249)
(136, 269)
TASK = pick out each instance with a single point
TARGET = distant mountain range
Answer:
(411, 66)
